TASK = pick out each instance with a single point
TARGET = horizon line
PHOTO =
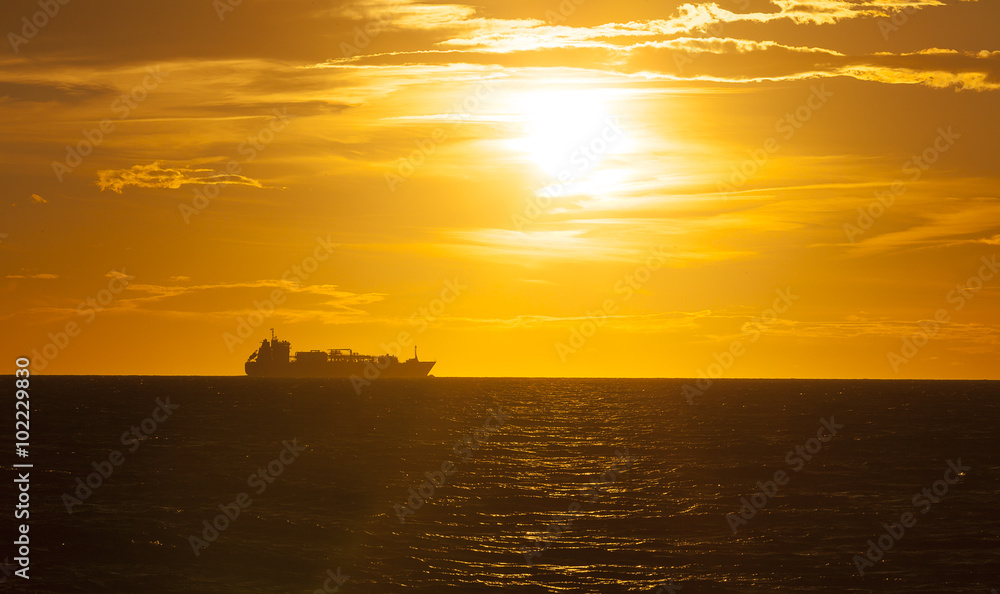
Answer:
(889, 379)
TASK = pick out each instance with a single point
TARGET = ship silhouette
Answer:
(274, 359)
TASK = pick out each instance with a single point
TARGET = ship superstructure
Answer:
(274, 359)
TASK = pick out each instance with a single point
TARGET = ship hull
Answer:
(390, 369)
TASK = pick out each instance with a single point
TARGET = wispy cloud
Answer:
(51, 91)
(974, 223)
(574, 240)
(498, 35)
(216, 301)
(40, 276)
(155, 175)
(656, 48)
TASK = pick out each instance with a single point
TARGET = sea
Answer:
(465, 485)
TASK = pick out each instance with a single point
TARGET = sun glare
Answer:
(567, 133)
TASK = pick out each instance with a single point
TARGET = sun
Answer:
(567, 133)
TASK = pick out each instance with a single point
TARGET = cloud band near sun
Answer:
(156, 176)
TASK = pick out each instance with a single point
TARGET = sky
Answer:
(744, 188)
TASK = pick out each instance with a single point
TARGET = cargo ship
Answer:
(274, 359)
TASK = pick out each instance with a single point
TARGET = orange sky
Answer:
(575, 188)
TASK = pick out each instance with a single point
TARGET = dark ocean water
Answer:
(529, 486)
